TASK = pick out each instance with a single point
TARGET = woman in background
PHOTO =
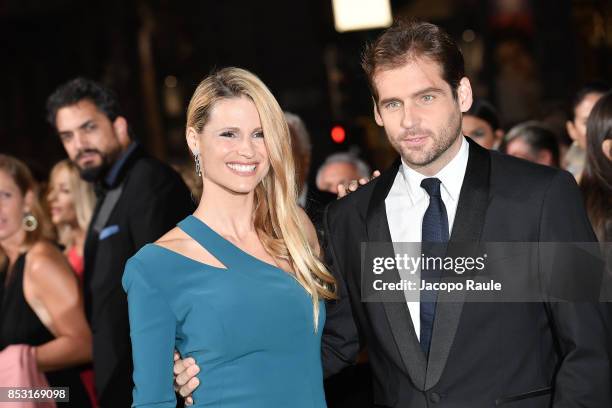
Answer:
(596, 183)
(481, 124)
(40, 301)
(71, 202)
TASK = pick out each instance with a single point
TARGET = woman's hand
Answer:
(185, 381)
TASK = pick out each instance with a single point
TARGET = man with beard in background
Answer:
(138, 199)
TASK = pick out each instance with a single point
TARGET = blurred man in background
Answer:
(533, 141)
(340, 169)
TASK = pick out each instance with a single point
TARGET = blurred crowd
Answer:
(44, 227)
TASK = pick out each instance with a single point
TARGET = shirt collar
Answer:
(111, 177)
(451, 176)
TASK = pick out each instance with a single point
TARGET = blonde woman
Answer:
(71, 202)
(238, 285)
(41, 306)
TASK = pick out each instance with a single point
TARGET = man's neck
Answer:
(113, 172)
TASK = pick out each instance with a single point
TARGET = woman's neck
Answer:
(78, 239)
(14, 245)
(228, 213)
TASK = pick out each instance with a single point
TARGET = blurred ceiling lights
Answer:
(352, 15)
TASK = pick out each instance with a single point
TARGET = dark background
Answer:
(527, 56)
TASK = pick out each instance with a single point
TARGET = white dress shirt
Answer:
(407, 202)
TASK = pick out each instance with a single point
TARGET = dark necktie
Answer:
(434, 233)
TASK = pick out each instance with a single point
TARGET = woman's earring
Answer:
(30, 223)
(198, 167)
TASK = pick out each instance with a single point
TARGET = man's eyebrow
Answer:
(430, 89)
(81, 126)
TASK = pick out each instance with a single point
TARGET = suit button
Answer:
(434, 397)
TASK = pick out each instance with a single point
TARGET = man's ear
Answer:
(192, 140)
(571, 130)
(606, 146)
(377, 116)
(120, 126)
(464, 94)
(545, 157)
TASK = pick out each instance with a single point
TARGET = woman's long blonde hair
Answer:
(276, 215)
(84, 200)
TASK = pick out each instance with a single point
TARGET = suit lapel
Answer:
(467, 227)
(397, 313)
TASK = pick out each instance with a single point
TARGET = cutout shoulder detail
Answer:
(181, 244)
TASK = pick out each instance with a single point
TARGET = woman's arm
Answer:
(153, 332)
(52, 290)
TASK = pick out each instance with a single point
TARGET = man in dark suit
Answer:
(139, 199)
(445, 189)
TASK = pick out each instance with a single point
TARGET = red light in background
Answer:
(338, 134)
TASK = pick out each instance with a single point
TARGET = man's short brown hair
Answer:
(407, 39)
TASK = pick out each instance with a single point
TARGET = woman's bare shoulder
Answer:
(175, 239)
(48, 270)
(43, 254)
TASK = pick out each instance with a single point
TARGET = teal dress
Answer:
(249, 326)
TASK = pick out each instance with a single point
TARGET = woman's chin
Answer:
(242, 190)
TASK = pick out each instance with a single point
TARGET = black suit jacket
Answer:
(482, 354)
(153, 199)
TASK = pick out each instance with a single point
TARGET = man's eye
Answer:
(427, 98)
(90, 127)
(65, 137)
(392, 105)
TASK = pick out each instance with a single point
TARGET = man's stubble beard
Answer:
(446, 136)
(94, 174)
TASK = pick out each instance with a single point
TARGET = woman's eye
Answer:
(258, 134)
(227, 134)
(478, 133)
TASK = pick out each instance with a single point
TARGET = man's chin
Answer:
(92, 174)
